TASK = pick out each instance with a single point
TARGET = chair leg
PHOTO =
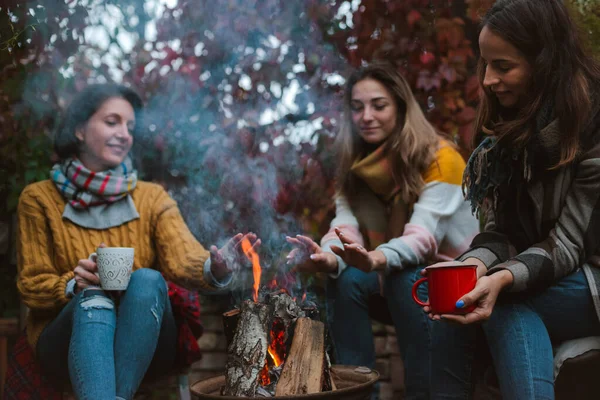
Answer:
(183, 384)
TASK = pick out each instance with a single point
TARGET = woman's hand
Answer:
(223, 260)
(484, 296)
(86, 274)
(309, 257)
(355, 255)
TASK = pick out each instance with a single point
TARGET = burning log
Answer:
(303, 369)
(286, 309)
(248, 349)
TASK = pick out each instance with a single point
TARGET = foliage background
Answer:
(243, 96)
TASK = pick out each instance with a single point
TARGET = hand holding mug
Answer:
(224, 260)
(481, 299)
(447, 283)
(309, 257)
(86, 273)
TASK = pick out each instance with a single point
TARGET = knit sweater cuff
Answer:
(60, 290)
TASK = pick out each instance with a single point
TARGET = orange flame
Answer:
(256, 268)
(304, 297)
(274, 356)
(276, 351)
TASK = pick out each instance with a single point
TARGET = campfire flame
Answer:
(256, 268)
(275, 352)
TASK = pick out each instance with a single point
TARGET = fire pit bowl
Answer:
(353, 383)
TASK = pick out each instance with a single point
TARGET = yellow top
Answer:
(49, 247)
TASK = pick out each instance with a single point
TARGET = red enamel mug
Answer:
(448, 282)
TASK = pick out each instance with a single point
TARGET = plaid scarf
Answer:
(379, 207)
(83, 188)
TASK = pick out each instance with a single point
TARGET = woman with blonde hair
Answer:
(399, 206)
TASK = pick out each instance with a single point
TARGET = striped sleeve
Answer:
(490, 246)
(574, 238)
(348, 224)
(432, 217)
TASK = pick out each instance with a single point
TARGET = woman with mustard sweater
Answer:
(92, 199)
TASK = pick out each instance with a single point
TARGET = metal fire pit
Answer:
(352, 384)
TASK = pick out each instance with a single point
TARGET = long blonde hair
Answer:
(411, 147)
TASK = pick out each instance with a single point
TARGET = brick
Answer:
(381, 346)
(392, 345)
(214, 304)
(378, 328)
(382, 365)
(386, 392)
(211, 362)
(212, 323)
(212, 341)
(397, 373)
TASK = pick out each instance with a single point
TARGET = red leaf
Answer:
(413, 17)
(426, 57)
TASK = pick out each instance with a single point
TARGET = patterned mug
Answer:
(114, 266)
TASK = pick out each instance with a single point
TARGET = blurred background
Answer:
(243, 99)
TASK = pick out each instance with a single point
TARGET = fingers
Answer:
(337, 250)
(81, 274)
(470, 298)
(424, 272)
(293, 241)
(466, 319)
(309, 243)
(101, 245)
(343, 237)
(88, 265)
(356, 248)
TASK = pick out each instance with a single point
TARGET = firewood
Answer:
(230, 321)
(248, 349)
(303, 368)
(286, 309)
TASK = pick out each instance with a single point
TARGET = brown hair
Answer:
(411, 147)
(545, 34)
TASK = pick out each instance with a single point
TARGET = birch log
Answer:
(248, 350)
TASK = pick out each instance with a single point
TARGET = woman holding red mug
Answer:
(535, 179)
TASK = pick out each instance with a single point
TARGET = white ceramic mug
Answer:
(114, 266)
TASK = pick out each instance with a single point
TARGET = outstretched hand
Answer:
(224, 260)
(309, 257)
(355, 255)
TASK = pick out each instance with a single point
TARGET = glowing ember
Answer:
(256, 268)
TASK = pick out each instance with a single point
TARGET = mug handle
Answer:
(414, 292)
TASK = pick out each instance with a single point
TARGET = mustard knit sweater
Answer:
(49, 247)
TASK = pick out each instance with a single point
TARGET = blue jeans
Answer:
(351, 329)
(521, 331)
(108, 351)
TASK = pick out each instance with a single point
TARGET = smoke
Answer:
(238, 104)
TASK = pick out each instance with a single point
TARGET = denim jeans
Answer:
(109, 349)
(351, 330)
(520, 334)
